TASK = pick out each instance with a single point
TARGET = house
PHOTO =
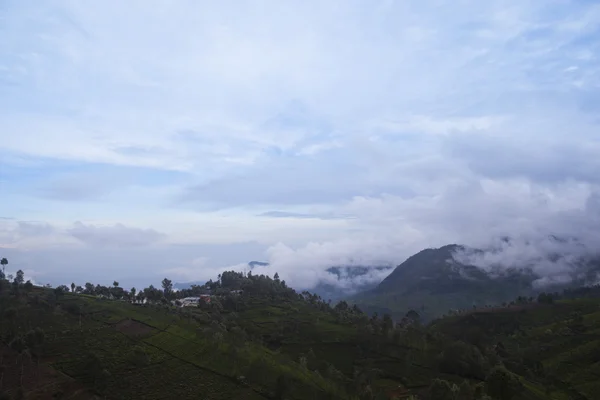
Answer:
(189, 301)
(194, 301)
(205, 298)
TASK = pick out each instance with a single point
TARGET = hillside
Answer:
(269, 342)
(435, 281)
(557, 341)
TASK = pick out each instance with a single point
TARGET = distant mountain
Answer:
(434, 281)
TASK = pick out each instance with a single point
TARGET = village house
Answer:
(194, 301)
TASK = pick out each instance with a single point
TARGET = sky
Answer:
(144, 139)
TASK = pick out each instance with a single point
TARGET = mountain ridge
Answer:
(435, 280)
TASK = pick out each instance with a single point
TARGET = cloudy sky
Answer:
(148, 138)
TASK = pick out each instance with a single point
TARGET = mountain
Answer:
(435, 281)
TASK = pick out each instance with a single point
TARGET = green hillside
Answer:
(270, 342)
(434, 282)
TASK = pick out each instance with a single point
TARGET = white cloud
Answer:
(117, 235)
(416, 124)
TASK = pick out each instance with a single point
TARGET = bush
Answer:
(441, 390)
(465, 360)
(502, 384)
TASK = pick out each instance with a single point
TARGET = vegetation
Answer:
(258, 339)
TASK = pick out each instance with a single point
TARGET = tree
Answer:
(441, 390)
(413, 316)
(465, 391)
(387, 323)
(89, 288)
(59, 291)
(34, 340)
(167, 286)
(132, 291)
(28, 286)
(276, 277)
(20, 278)
(463, 359)
(72, 287)
(545, 298)
(115, 284)
(282, 387)
(502, 384)
(11, 315)
(19, 345)
(4, 263)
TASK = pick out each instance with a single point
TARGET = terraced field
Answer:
(287, 349)
(125, 351)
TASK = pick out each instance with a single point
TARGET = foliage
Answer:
(502, 384)
(441, 390)
(463, 359)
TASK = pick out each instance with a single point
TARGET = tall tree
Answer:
(4, 263)
(72, 287)
(167, 286)
(28, 286)
(132, 291)
(89, 288)
(20, 279)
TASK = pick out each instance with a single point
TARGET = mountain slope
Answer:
(433, 282)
